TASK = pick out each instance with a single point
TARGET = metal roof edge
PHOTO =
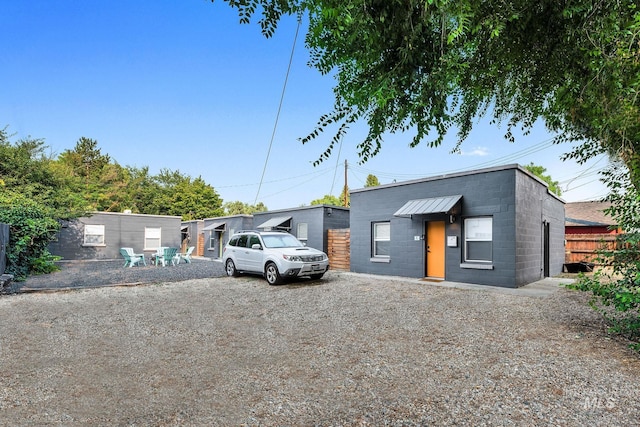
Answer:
(215, 218)
(301, 208)
(130, 214)
(514, 166)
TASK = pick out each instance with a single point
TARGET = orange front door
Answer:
(435, 249)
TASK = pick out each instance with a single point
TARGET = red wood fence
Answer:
(583, 247)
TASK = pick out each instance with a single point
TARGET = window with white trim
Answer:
(212, 239)
(93, 235)
(303, 232)
(152, 237)
(381, 239)
(478, 239)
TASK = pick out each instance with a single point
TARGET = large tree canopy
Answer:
(427, 66)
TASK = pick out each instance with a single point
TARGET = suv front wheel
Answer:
(230, 267)
(272, 274)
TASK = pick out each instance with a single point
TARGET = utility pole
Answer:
(346, 186)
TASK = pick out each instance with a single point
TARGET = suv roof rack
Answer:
(260, 231)
(275, 230)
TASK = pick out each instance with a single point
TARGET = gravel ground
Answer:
(83, 274)
(348, 350)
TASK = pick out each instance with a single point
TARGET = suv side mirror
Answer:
(256, 246)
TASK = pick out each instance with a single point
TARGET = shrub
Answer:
(31, 227)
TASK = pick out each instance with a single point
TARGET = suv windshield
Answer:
(281, 241)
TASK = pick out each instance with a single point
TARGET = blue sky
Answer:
(180, 84)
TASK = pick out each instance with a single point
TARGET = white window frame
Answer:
(303, 231)
(212, 240)
(478, 229)
(379, 234)
(152, 235)
(94, 235)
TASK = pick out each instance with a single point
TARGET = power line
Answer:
(586, 173)
(275, 126)
(501, 160)
(295, 186)
(316, 172)
(336, 169)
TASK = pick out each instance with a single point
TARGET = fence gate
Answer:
(339, 248)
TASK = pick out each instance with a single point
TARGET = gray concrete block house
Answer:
(308, 223)
(102, 234)
(497, 226)
(217, 232)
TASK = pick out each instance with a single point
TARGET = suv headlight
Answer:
(296, 258)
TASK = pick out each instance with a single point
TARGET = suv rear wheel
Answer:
(272, 274)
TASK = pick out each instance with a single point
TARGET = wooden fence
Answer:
(583, 247)
(339, 248)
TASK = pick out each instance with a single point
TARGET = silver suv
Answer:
(276, 255)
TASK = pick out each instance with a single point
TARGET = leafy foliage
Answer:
(31, 228)
(539, 171)
(25, 169)
(328, 199)
(372, 181)
(238, 208)
(428, 66)
(616, 291)
(179, 195)
(103, 185)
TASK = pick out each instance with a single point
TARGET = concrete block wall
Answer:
(535, 207)
(495, 192)
(121, 230)
(317, 219)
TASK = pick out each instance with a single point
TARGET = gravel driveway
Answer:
(348, 350)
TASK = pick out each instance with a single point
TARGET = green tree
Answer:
(26, 169)
(195, 199)
(86, 159)
(426, 66)
(372, 181)
(328, 199)
(539, 171)
(180, 195)
(141, 190)
(239, 208)
(88, 170)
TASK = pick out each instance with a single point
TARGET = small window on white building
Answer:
(152, 238)
(303, 232)
(478, 239)
(381, 239)
(93, 235)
